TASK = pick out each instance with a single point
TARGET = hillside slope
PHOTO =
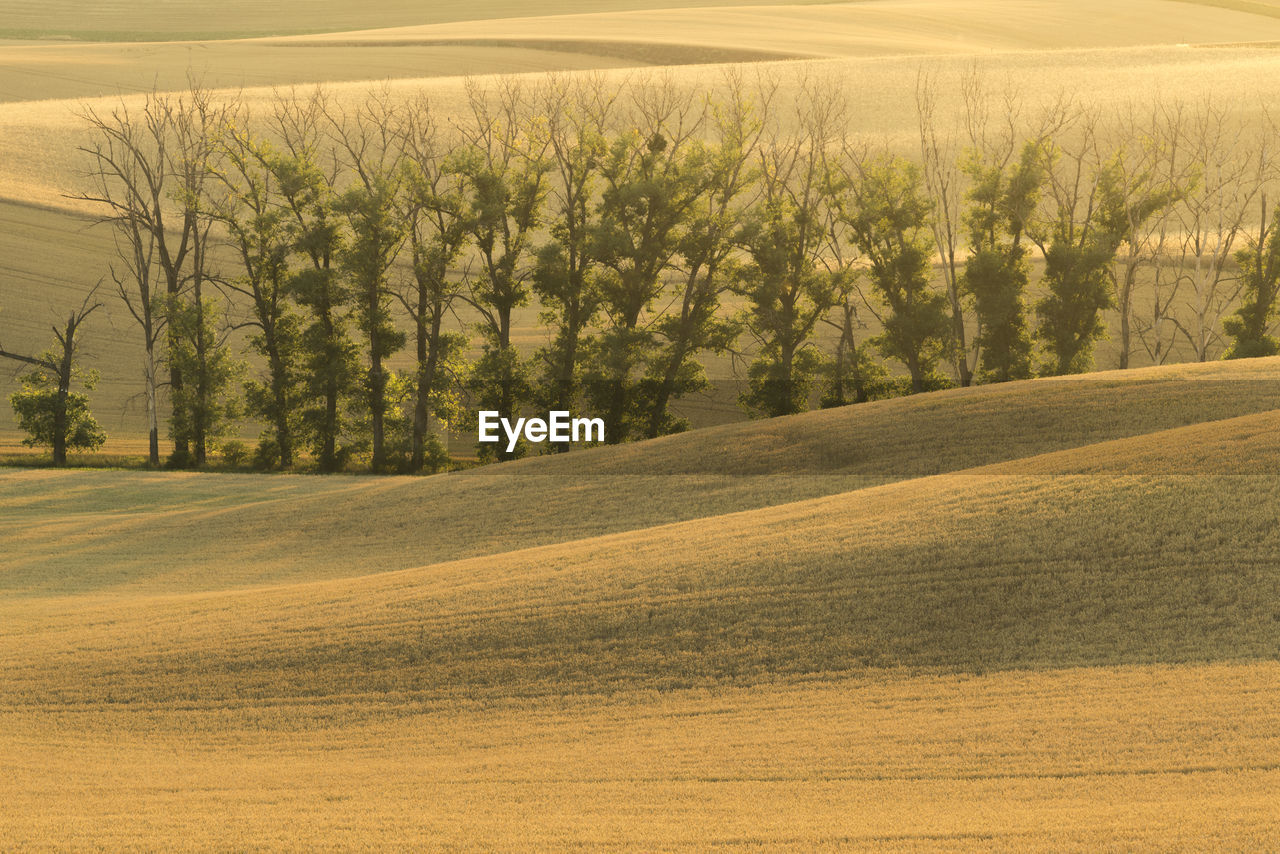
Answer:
(878, 28)
(1071, 650)
(81, 531)
(980, 570)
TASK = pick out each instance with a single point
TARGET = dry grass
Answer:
(1073, 650)
(1140, 758)
(82, 531)
(884, 28)
(1038, 616)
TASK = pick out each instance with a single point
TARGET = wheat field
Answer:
(849, 669)
(1034, 616)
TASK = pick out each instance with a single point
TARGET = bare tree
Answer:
(1152, 176)
(1199, 283)
(435, 211)
(148, 168)
(943, 183)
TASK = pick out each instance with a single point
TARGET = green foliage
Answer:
(329, 363)
(37, 405)
(206, 407)
(263, 231)
(652, 179)
(1078, 262)
(234, 453)
(1250, 326)
(890, 224)
(778, 385)
(1003, 199)
(498, 378)
(328, 360)
(856, 376)
(787, 293)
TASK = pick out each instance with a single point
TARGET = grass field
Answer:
(1038, 616)
(1071, 647)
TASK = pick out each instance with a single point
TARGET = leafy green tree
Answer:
(48, 410)
(504, 169)
(205, 408)
(653, 178)
(890, 225)
(706, 266)
(369, 140)
(260, 230)
(566, 275)
(329, 359)
(1003, 198)
(1250, 326)
(854, 375)
(1095, 214)
(786, 235)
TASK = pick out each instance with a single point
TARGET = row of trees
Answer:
(651, 226)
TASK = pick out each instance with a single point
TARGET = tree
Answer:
(1004, 194)
(1233, 162)
(942, 175)
(785, 236)
(1250, 326)
(1152, 178)
(653, 177)
(706, 265)
(503, 165)
(259, 229)
(566, 277)
(1079, 244)
(306, 175)
(47, 409)
(890, 224)
(435, 215)
(368, 141)
(148, 170)
(205, 407)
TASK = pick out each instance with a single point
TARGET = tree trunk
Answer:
(153, 415)
(284, 438)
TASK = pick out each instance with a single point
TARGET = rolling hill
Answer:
(978, 640)
(1036, 616)
(96, 531)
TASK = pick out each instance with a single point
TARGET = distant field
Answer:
(1072, 649)
(151, 20)
(47, 257)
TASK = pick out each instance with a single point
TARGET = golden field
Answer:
(1072, 646)
(1035, 616)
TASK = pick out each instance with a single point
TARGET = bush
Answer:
(267, 455)
(37, 407)
(235, 453)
